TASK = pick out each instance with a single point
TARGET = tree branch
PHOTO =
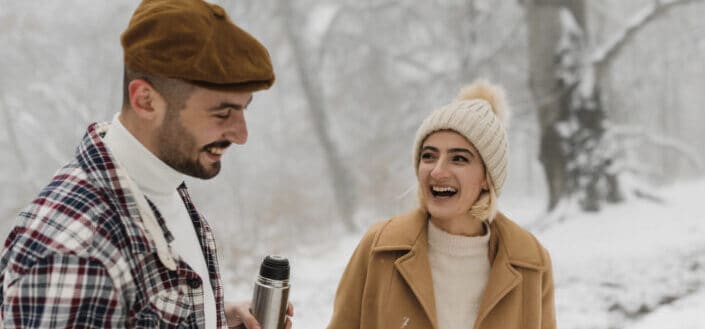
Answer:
(666, 142)
(604, 55)
(491, 56)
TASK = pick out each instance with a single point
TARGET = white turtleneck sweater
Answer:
(159, 183)
(459, 268)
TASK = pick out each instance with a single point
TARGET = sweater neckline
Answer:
(457, 245)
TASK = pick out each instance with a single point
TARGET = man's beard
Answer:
(175, 145)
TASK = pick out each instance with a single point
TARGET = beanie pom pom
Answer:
(493, 94)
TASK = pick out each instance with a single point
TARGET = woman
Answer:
(455, 262)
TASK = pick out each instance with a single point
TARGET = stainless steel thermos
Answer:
(271, 293)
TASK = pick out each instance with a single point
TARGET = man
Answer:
(114, 240)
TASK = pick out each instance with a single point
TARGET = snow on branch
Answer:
(604, 54)
(666, 142)
(569, 49)
(319, 22)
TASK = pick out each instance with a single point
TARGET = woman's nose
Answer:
(440, 170)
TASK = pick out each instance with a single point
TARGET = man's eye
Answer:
(223, 115)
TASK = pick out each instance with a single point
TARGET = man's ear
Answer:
(142, 97)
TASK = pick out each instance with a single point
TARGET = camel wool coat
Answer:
(387, 283)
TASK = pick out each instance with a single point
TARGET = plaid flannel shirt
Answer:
(81, 256)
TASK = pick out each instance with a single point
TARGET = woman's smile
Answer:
(451, 175)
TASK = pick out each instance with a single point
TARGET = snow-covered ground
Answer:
(686, 313)
(632, 263)
(639, 265)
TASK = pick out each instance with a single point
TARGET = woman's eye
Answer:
(426, 156)
(460, 158)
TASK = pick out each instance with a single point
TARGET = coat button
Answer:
(193, 282)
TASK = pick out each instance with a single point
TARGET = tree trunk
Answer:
(544, 33)
(30, 185)
(571, 114)
(343, 182)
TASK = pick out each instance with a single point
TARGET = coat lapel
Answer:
(509, 246)
(414, 267)
(503, 278)
(409, 233)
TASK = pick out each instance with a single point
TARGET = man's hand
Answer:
(238, 316)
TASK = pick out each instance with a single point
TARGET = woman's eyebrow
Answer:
(429, 148)
(461, 150)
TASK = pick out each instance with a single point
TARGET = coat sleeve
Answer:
(61, 291)
(347, 308)
(548, 307)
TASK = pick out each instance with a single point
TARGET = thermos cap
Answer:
(275, 268)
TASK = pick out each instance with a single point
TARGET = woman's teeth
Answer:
(443, 191)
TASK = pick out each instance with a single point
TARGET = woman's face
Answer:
(451, 175)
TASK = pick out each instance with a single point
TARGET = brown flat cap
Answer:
(195, 41)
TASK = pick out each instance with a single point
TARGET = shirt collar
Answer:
(152, 175)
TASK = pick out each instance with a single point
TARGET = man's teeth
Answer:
(216, 150)
(443, 189)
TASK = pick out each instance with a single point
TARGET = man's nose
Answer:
(237, 128)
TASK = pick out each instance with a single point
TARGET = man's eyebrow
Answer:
(225, 105)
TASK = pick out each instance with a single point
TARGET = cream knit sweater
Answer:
(159, 183)
(459, 268)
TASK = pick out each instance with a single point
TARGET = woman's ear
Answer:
(484, 186)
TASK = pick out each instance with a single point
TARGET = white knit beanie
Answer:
(478, 113)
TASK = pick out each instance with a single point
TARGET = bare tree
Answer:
(565, 78)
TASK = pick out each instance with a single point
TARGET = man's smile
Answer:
(217, 148)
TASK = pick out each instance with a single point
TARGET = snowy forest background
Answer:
(606, 137)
